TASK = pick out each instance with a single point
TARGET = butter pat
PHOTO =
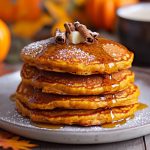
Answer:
(75, 37)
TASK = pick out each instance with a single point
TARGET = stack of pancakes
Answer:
(77, 84)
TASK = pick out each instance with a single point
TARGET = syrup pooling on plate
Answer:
(118, 123)
(142, 106)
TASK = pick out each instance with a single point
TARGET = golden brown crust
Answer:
(68, 84)
(35, 99)
(104, 56)
(78, 117)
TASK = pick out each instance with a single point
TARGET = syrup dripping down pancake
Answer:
(77, 117)
(35, 99)
(69, 84)
(103, 56)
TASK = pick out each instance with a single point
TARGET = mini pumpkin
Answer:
(102, 13)
(5, 40)
(11, 10)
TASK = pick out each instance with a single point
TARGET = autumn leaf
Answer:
(9, 141)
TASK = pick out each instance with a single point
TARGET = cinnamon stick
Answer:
(84, 32)
(69, 28)
(60, 37)
(94, 34)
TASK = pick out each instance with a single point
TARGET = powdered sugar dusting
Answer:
(36, 48)
(74, 54)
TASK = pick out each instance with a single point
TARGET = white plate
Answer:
(12, 121)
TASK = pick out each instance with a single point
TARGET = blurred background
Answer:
(24, 21)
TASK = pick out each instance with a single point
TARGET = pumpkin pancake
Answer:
(103, 56)
(35, 99)
(78, 117)
(69, 84)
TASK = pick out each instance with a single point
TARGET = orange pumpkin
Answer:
(5, 40)
(102, 13)
(11, 10)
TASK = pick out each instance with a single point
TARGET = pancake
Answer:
(104, 56)
(35, 99)
(69, 84)
(77, 117)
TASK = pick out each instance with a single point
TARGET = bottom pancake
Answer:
(77, 117)
(35, 99)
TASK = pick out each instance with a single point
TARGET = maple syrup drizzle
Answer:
(123, 121)
(117, 123)
(142, 106)
(47, 126)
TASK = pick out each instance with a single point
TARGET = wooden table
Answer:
(142, 143)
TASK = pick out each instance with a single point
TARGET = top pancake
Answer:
(103, 56)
